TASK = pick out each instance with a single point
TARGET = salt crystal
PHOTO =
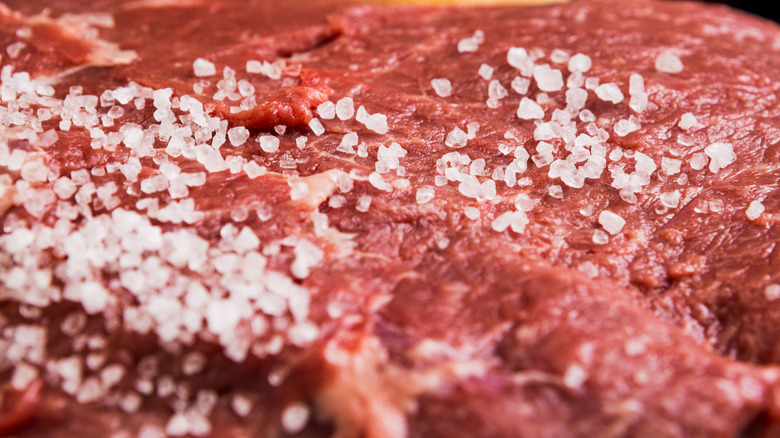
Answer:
(298, 189)
(132, 136)
(502, 222)
(687, 121)
(241, 405)
(154, 184)
(576, 98)
(485, 72)
(377, 123)
(636, 84)
(35, 171)
(670, 199)
(520, 84)
(611, 222)
(496, 90)
(698, 161)
(254, 66)
(378, 181)
(295, 417)
(238, 135)
(345, 108)
(555, 191)
(559, 56)
(269, 143)
(363, 203)
(668, 63)
(131, 169)
(579, 63)
(23, 376)
(254, 170)
(587, 115)
(772, 292)
(192, 363)
(14, 49)
(670, 166)
(111, 375)
(471, 44)
(457, 138)
(600, 237)
(754, 210)
(626, 126)
(721, 155)
(348, 143)
(47, 139)
(442, 87)
(518, 58)
(529, 109)
(203, 67)
(523, 202)
(547, 78)
(424, 195)
(316, 127)
(300, 142)
(64, 187)
(327, 110)
(609, 92)
(361, 115)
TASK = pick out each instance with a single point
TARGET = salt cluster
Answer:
(472, 43)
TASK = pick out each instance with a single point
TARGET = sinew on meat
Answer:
(281, 219)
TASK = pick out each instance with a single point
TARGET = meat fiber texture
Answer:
(233, 219)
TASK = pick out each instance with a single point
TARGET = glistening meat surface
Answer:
(323, 219)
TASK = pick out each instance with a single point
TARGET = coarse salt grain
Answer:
(626, 126)
(457, 138)
(238, 135)
(378, 181)
(442, 87)
(668, 63)
(547, 78)
(316, 127)
(754, 210)
(268, 143)
(772, 292)
(721, 155)
(345, 108)
(363, 203)
(609, 92)
(518, 58)
(528, 109)
(485, 72)
(611, 222)
(687, 121)
(698, 161)
(670, 166)
(520, 85)
(579, 63)
(670, 199)
(64, 187)
(377, 123)
(203, 67)
(326, 110)
(600, 237)
(471, 44)
(295, 417)
(424, 195)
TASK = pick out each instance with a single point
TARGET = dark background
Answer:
(766, 8)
